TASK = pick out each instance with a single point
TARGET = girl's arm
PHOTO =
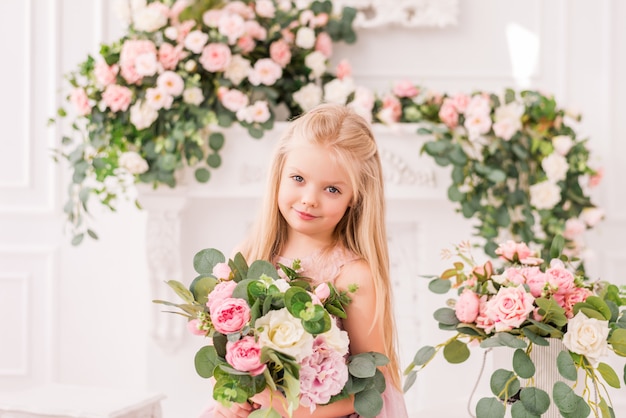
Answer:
(365, 335)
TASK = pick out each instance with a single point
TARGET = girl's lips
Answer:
(305, 216)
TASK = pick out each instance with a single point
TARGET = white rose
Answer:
(308, 96)
(146, 64)
(238, 69)
(545, 195)
(171, 33)
(508, 120)
(555, 165)
(142, 115)
(316, 61)
(282, 332)
(193, 95)
(587, 336)
(337, 339)
(133, 162)
(562, 144)
(195, 41)
(337, 91)
(305, 38)
(592, 216)
(149, 19)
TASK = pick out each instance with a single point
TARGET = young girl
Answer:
(325, 206)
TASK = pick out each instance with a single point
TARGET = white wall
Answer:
(82, 315)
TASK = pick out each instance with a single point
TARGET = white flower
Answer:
(265, 8)
(170, 82)
(555, 165)
(124, 9)
(279, 330)
(305, 38)
(238, 69)
(545, 195)
(282, 285)
(195, 41)
(592, 216)
(587, 336)
(508, 120)
(142, 115)
(316, 61)
(337, 338)
(266, 71)
(150, 18)
(308, 96)
(193, 95)
(146, 64)
(133, 162)
(158, 99)
(171, 33)
(562, 144)
(190, 66)
(337, 91)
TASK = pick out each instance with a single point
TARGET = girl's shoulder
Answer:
(324, 266)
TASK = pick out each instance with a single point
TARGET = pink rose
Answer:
(391, 111)
(215, 57)
(324, 44)
(536, 280)
(105, 74)
(280, 52)
(577, 295)
(405, 88)
(515, 275)
(195, 327)
(344, 69)
(483, 321)
(222, 290)
(596, 179)
(560, 279)
(231, 26)
(222, 271)
(170, 55)
(266, 72)
(514, 251)
(79, 99)
(509, 308)
(245, 355)
(171, 83)
(467, 306)
(448, 114)
(460, 102)
(246, 44)
(117, 97)
(255, 30)
(322, 374)
(231, 315)
(128, 56)
(322, 291)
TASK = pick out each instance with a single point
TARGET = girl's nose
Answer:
(309, 198)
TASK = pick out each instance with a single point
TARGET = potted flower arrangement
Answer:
(271, 331)
(150, 102)
(526, 304)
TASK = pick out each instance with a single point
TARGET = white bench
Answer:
(66, 401)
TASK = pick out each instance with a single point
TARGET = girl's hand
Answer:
(236, 410)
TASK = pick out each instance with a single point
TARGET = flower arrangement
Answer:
(523, 304)
(518, 167)
(151, 102)
(271, 330)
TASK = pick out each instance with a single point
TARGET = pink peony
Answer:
(105, 74)
(322, 374)
(280, 52)
(405, 88)
(467, 306)
(195, 327)
(79, 99)
(215, 57)
(324, 44)
(460, 102)
(510, 307)
(483, 321)
(577, 295)
(223, 290)
(560, 279)
(230, 315)
(117, 97)
(514, 275)
(245, 355)
(170, 55)
(514, 251)
(536, 280)
(222, 271)
(128, 56)
(448, 114)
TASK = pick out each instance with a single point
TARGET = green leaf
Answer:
(206, 360)
(556, 248)
(566, 366)
(368, 403)
(599, 305)
(446, 316)
(424, 355)
(202, 175)
(490, 408)
(518, 410)
(201, 287)
(439, 286)
(409, 381)
(535, 401)
(496, 176)
(534, 338)
(522, 364)
(504, 384)
(609, 375)
(216, 141)
(361, 367)
(565, 399)
(205, 260)
(259, 268)
(454, 194)
(456, 352)
(618, 342)
(265, 413)
(214, 160)
(181, 291)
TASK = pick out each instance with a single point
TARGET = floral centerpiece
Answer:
(518, 167)
(151, 102)
(524, 304)
(277, 332)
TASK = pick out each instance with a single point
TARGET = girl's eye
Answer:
(333, 189)
(297, 178)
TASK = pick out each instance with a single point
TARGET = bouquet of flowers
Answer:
(151, 102)
(271, 330)
(525, 303)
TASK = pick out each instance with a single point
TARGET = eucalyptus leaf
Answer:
(490, 408)
(535, 400)
(456, 352)
(504, 383)
(566, 366)
(206, 259)
(522, 364)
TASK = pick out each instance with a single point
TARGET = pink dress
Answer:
(326, 267)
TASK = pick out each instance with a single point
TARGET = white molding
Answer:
(405, 13)
(24, 316)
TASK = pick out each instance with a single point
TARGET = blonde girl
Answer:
(325, 206)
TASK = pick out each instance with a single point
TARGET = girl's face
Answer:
(314, 191)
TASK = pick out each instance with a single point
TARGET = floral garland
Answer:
(146, 107)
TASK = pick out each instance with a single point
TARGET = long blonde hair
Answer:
(362, 230)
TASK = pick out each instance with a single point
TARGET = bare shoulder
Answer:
(357, 273)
